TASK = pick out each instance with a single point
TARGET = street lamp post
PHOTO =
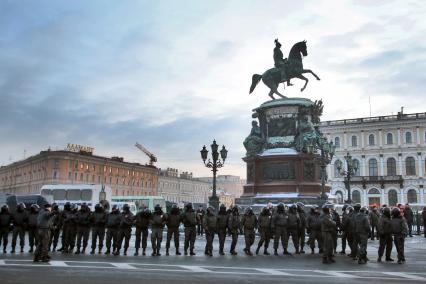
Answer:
(351, 169)
(326, 155)
(214, 164)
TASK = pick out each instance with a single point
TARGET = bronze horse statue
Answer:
(293, 69)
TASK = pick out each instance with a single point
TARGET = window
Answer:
(411, 196)
(337, 165)
(371, 141)
(408, 138)
(374, 191)
(356, 196)
(354, 141)
(339, 196)
(391, 167)
(337, 142)
(372, 167)
(389, 139)
(356, 165)
(393, 197)
(81, 176)
(410, 166)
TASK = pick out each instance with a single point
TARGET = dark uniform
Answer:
(399, 232)
(249, 223)
(210, 226)
(313, 224)
(350, 233)
(362, 231)
(32, 227)
(158, 221)
(190, 221)
(142, 220)
(112, 224)
(98, 220)
(374, 222)
(65, 226)
(409, 217)
(5, 224)
(222, 225)
(173, 221)
(200, 214)
(336, 218)
(293, 225)
(328, 227)
(234, 228)
(384, 232)
(125, 231)
(344, 228)
(20, 223)
(279, 227)
(264, 225)
(424, 220)
(70, 228)
(43, 224)
(55, 228)
(83, 227)
(301, 232)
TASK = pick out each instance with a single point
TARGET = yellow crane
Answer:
(152, 157)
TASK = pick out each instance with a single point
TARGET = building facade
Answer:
(75, 167)
(229, 183)
(389, 152)
(182, 188)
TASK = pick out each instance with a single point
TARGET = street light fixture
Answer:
(215, 164)
(351, 170)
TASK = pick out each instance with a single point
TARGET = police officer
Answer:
(125, 231)
(362, 231)
(190, 221)
(5, 224)
(350, 233)
(210, 226)
(173, 221)
(32, 227)
(142, 220)
(113, 221)
(374, 221)
(384, 232)
(328, 227)
(83, 227)
(301, 232)
(279, 227)
(234, 228)
(264, 225)
(20, 222)
(65, 226)
(55, 228)
(293, 225)
(43, 224)
(157, 224)
(336, 218)
(249, 223)
(313, 224)
(200, 214)
(98, 220)
(409, 217)
(399, 232)
(344, 228)
(222, 225)
(70, 219)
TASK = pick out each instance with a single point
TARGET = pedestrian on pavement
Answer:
(409, 217)
(98, 221)
(209, 226)
(190, 221)
(399, 232)
(249, 224)
(158, 221)
(142, 220)
(384, 232)
(5, 225)
(43, 224)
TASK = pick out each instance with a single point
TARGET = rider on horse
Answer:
(279, 61)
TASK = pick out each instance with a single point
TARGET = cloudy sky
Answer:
(173, 75)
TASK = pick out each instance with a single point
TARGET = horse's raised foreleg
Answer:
(310, 71)
(300, 76)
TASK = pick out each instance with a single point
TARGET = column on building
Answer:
(382, 166)
(420, 162)
(399, 136)
(402, 199)
(362, 139)
(382, 197)
(363, 166)
(400, 172)
(364, 191)
(345, 141)
(380, 138)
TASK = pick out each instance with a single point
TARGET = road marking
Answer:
(195, 268)
(122, 265)
(404, 275)
(2, 262)
(58, 263)
(336, 274)
(274, 272)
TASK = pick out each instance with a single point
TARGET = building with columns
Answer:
(390, 153)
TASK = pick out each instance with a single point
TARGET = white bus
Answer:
(91, 194)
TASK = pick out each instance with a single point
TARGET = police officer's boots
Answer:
(84, 250)
(286, 252)
(125, 251)
(108, 251)
(192, 252)
(4, 249)
(31, 250)
(158, 251)
(221, 252)
(177, 252)
(13, 250)
(167, 251)
(116, 252)
(257, 250)
(325, 260)
(77, 251)
(297, 251)
(275, 252)
(265, 252)
(92, 251)
(22, 249)
(136, 252)
(144, 251)
(154, 251)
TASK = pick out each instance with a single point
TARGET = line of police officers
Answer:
(279, 223)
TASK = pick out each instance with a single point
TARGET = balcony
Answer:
(382, 180)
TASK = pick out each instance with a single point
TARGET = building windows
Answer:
(392, 197)
(81, 166)
(408, 138)
(356, 196)
(371, 140)
(391, 167)
(354, 141)
(75, 176)
(69, 175)
(389, 139)
(411, 196)
(410, 166)
(81, 177)
(337, 168)
(372, 168)
(55, 174)
(337, 142)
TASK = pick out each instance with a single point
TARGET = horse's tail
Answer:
(254, 81)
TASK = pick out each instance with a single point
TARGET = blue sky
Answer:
(173, 75)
